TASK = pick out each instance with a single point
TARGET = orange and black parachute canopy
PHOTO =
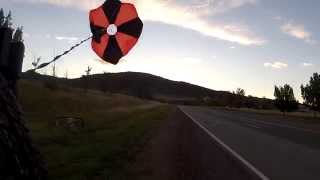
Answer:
(116, 28)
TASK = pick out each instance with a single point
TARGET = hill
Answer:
(153, 87)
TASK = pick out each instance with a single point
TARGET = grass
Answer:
(116, 128)
(299, 115)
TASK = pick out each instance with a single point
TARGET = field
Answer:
(114, 129)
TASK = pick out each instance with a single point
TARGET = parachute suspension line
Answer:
(60, 55)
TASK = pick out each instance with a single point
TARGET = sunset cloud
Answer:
(276, 65)
(184, 14)
(298, 31)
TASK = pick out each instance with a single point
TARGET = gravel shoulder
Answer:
(181, 150)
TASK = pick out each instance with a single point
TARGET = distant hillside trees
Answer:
(240, 92)
(86, 78)
(66, 75)
(284, 99)
(88, 71)
(311, 92)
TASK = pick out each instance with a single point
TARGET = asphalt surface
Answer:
(280, 149)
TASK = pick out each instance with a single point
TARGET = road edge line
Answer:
(227, 148)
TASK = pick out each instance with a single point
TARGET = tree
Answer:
(311, 92)
(2, 18)
(240, 92)
(8, 20)
(20, 159)
(285, 100)
(86, 78)
(18, 35)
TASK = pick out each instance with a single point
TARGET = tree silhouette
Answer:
(2, 18)
(20, 159)
(311, 92)
(18, 35)
(240, 92)
(285, 100)
(8, 20)
(86, 78)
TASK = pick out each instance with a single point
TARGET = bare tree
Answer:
(86, 78)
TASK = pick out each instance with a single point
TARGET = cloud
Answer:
(64, 38)
(298, 31)
(79, 4)
(276, 65)
(181, 13)
(218, 6)
(305, 64)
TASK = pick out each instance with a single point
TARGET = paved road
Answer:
(281, 150)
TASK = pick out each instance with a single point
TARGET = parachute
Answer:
(115, 28)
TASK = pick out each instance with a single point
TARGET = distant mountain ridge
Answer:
(153, 87)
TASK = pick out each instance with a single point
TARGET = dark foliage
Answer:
(311, 92)
(285, 100)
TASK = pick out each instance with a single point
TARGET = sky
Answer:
(218, 44)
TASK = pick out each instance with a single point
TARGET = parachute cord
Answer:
(59, 56)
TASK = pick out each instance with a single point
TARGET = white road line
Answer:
(226, 147)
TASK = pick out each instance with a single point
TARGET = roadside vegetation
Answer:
(311, 93)
(88, 135)
(285, 100)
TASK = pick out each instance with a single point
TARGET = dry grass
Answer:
(308, 115)
(116, 129)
